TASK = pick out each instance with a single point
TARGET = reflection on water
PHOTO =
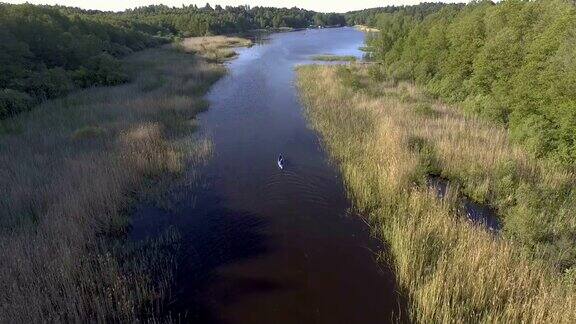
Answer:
(263, 245)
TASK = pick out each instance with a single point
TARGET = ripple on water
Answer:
(283, 186)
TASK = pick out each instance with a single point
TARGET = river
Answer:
(263, 245)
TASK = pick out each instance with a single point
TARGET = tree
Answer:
(513, 62)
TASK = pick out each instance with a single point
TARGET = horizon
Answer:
(318, 6)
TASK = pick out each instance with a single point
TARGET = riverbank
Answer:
(71, 169)
(388, 138)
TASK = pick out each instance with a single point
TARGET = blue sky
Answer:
(317, 5)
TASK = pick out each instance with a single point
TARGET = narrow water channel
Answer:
(480, 214)
(263, 245)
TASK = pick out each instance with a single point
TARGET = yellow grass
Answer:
(367, 29)
(69, 172)
(214, 48)
(452, 271)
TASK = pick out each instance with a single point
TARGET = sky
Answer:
(316, 5)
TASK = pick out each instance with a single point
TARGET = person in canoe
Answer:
(281, 162)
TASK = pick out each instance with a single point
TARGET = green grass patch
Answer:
(425, 109)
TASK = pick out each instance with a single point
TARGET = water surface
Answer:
(263, 245)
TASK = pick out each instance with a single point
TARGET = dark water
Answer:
(262, 245)
(477, 213)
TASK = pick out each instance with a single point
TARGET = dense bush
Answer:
(49, 83)
(103, 69)
(513, 62)
(13, 102)
(46, 53)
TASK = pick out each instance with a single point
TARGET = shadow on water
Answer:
(209, 240)
(222, 237)
(480, 214)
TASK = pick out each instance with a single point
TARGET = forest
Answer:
(190, 21)
(511, 63)
(370, 17)
(45, 53)
(48, 51)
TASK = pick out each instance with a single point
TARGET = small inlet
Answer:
(480, 214)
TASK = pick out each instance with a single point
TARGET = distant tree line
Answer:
(48, 51)
(513, 62)
(191, 20)
(369, 17)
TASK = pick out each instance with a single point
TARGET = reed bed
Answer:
(387, 139)
(214, 48)
(70, 171)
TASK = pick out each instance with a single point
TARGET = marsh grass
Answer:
(425, 109)
(214, 48)
(68, 177)
(334, 58)
(452, 270)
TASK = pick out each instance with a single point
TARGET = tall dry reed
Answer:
(387, 138)
(70, 170)
(213, 48)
